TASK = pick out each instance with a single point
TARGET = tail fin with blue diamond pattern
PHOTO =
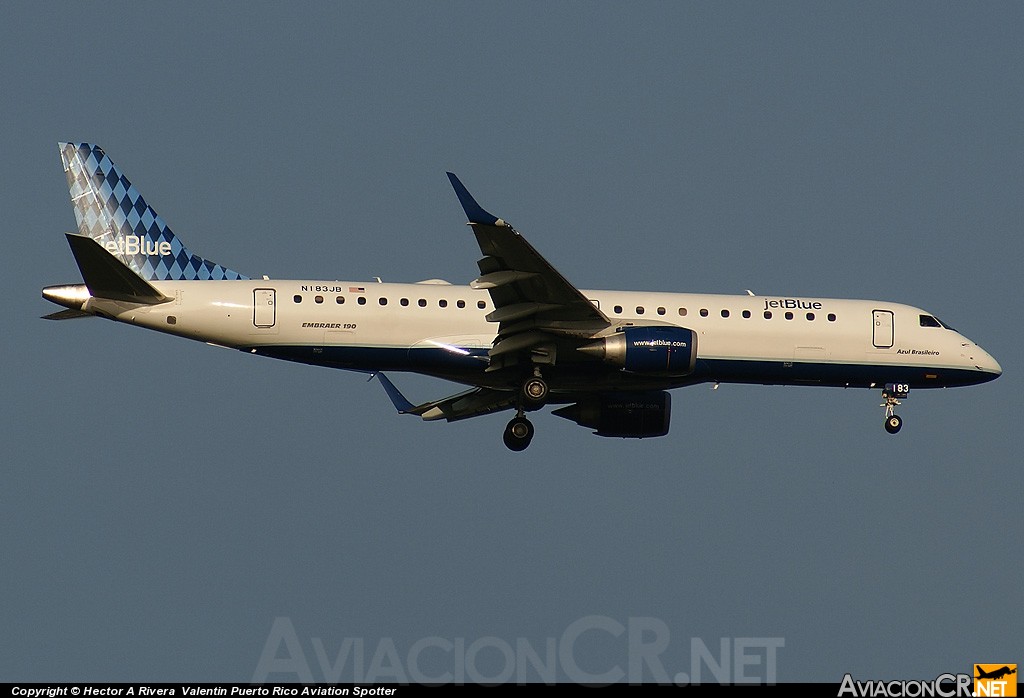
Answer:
(113, 213)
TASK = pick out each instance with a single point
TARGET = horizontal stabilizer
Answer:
(69, 314)
(108, 277)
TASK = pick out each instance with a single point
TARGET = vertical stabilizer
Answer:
(113, 213)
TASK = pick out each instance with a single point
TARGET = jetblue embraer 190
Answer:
(520, 335)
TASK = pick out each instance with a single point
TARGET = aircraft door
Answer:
(264, 311)
(882, 321)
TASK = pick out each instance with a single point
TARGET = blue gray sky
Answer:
(163, 502)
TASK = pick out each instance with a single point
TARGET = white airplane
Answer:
(520, 334)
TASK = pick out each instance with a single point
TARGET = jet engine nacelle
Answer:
(626, 415)
(669, 351)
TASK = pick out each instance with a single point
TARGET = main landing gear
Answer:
(534, 391)
(891, 395)
(532, 395)
(518, 433)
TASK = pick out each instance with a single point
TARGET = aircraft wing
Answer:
(532, 300)
(471, 403)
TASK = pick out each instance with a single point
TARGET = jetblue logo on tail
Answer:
(134, 244)
(110, 210)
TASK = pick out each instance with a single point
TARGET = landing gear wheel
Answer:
(890, 399)
(535, 391)
(518, 434)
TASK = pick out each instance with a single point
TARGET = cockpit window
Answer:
(932, 321)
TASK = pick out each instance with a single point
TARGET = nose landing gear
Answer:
(891, 395)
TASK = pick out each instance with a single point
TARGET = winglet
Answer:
(397, 399)
(474, 212)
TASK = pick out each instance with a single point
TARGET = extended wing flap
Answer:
(530, 278)
(500, 278)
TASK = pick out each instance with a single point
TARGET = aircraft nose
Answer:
(994, 366)
(973, 355)
(987, 363)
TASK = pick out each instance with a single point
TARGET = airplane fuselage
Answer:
(441, 330)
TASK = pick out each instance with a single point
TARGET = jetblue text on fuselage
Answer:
(791, 304)
(134, 244)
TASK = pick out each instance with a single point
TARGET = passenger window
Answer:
(767, 315)
(661, 311)
(404, 301)
(461, 304)
(442, 303)
(746, 313)
(725, 313)
(810, 316)
(682, 312)
(703, 312)
(618, 310)
(639, 310)
(383, 301)
(319, 299)
(361, 300)
(340, 300)
(481, 305)
(789, 315)
(422, 302)
(297, 298)
(831, 317)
